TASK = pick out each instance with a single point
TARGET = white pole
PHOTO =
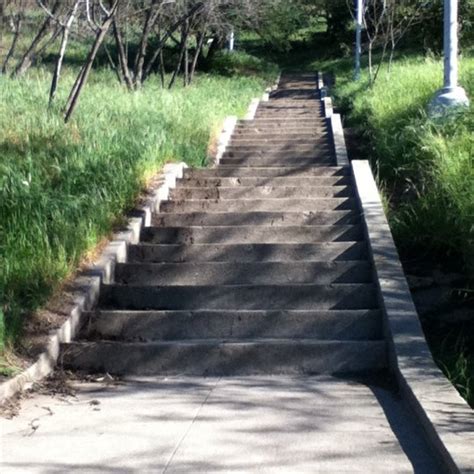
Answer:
(451, 95)
(231, 40)
(358, 50)
(451, 43)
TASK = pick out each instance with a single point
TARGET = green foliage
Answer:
(63, 186)
(280, 20)
(232, 63)
(426, 167)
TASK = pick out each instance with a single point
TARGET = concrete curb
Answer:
(224, 137)
(335, 125)
(328, 108)
(337, 133)
(86, 287)
(445, 417)
(252, 110)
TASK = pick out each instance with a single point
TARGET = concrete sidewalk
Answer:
(248, 424)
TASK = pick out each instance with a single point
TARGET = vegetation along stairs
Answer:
(256, 266)
(264, 265)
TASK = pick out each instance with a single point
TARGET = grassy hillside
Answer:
(425, 166)
(426, 170)
(62, 187)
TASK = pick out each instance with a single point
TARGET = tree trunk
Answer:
(199, 45)
(194, 10)
(122, 56)
(184, 40)
(85, 71)
(186, 63)
(16, 27)
(151, 18)
(62, 52)
(27, 58)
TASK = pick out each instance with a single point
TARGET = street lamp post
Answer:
(231, 40)
(451, 95)
(358, 49)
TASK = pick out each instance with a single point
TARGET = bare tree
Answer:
(66, 27)
(37, 45)
(15, 21)
(101, 30)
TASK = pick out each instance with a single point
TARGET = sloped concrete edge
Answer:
(85, 289)
(335, 124)
(224, 137)
(445, 417)
(255, 102)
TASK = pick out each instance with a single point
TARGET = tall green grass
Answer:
(426, 169)
(425, 166)
(62, 187)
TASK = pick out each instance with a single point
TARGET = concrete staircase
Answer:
(256, 266)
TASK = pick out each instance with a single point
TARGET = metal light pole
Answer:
(358, 49)
(451, 95)
(231, 40)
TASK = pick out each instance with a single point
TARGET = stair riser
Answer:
(289, 146)
(310, 172)
(285, 162)
(225, 359)
(261, 192)
(242, 273)
(282, 141)
(250, 127)
(250, 234)
(277, 182)
(182, 325)
(262, 155)
(338, 251)
(300, 297)
(256, 218)
(289, 205)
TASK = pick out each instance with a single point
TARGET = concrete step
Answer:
(285, 114)
(239, 205)
(255, 218)
(252, 234)
(284, 252)
(289, 121)
(261, 171)
(214, 357)
(311, 142)
(174, 325)
(321, 155)
(302, 297)
(284, 181)
(310, 132)
(254, 150)
(277, 142)
(269, 133)
(288, 161)
(232, 273)
(252, 192)
(251, 126)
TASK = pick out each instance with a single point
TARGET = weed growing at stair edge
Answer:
(63, 186)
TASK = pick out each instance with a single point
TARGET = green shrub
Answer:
(233, 63)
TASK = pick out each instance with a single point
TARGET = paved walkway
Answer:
(257, 268)
(251, 424)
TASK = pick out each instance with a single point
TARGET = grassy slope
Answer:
(427, 171)
(63, 186)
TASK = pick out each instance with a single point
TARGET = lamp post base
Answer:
(448, 99)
